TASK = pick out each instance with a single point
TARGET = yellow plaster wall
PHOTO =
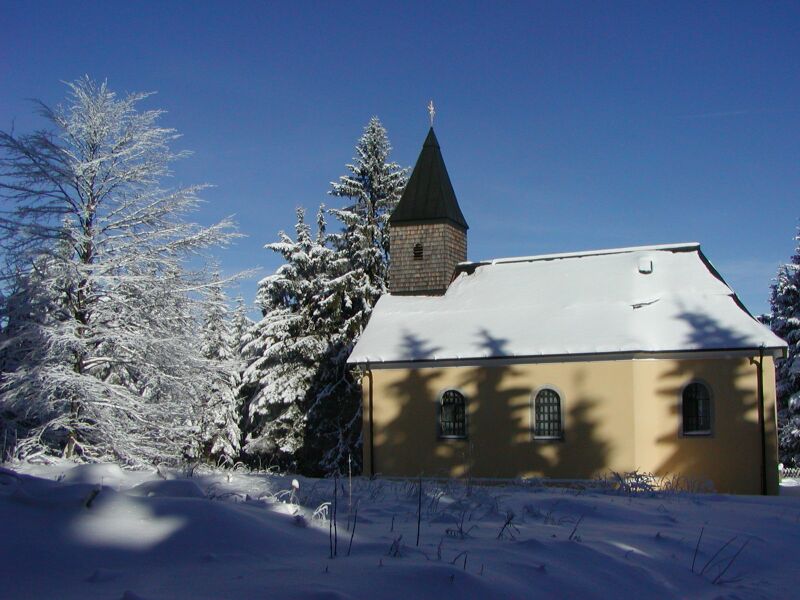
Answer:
(499, 421)
(618, 415)
(729, 457)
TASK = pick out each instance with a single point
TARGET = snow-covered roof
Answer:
(646, 299)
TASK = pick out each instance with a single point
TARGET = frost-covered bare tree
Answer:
(100, 311)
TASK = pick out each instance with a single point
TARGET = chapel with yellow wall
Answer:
(560, 366)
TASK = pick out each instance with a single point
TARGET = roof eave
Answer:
(774, 351)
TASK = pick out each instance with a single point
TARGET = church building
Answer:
(561, 366)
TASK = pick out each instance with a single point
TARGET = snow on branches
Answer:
(304, 408)
(220, 436)
(785, 322)
(99, 313)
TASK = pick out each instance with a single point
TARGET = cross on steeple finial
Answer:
(431, 111)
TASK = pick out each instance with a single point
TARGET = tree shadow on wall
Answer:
(498, 421)
(730, 456)
(584, 453)
(402, 421)
(499, 442)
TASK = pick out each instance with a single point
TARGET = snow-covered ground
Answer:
(95, 531)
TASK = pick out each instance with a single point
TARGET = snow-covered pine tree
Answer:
(283, 350)
(373, 187)
(304, 403)
(220, 434)
(785, 322)
(240, 325)
(117, 374)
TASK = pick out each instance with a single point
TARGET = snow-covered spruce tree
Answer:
(283, 350)
(240, 325)
(372, 188)
(220, 434)
(305, 402)
(110, 369)
(785, 322)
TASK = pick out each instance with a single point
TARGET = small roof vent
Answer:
(645, 266)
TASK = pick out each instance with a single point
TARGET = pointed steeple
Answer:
(429, 195)
(427, 231)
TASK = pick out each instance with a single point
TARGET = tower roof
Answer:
(429, 195)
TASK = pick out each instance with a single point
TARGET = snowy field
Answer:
(95, 531)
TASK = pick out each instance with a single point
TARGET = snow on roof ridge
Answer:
(516, 259)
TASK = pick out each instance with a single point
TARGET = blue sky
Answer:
(565, 126)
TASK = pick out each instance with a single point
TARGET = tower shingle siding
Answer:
(443, 247)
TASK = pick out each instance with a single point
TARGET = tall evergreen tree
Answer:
(785, 322)
(373, 188)
(220, 433)
(284, 349)
(240, 324)
(304, 401)
(115, 373)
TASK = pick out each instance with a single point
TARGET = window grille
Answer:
(547, 409)
(696, 409)
(453, 415)
(418, 252)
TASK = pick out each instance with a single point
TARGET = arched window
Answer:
(696, 409)
(452, 415)
(418, 251)
(547, 415)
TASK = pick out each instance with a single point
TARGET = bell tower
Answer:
(427, 232)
